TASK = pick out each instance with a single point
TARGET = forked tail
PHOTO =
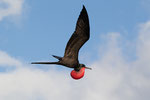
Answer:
(57, 57)
(57, 63)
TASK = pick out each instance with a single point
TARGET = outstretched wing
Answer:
(79, 37)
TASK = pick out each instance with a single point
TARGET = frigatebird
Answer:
(77, 40)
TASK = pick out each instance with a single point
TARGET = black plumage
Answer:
(77, 40)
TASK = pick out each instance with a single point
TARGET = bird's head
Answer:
(78, 72)
(82, 65)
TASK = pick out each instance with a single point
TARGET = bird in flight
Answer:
(77, 40)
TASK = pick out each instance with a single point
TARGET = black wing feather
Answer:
(79, 37)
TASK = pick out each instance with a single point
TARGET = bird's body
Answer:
(77, 40)
(71, 63)
(66, 61)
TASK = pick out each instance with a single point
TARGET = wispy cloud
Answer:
(10, 8)
(112, 76)
(6, 60)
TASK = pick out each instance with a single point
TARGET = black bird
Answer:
(77, 40)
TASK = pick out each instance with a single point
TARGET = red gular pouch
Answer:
(77, 74)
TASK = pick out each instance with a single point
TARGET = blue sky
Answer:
(44, 27)
(118, 49)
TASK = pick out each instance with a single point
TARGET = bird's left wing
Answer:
(79, 37)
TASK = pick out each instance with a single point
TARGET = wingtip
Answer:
(83, 11)
(84, 7)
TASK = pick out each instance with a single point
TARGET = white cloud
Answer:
(10, 8)
(6, 60)
(144, 42)
(112, 77)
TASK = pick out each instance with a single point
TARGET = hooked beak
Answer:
(88, 68)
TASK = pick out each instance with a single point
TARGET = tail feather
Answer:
(46, 63)
(57, 57)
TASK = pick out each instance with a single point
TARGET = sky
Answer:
(117, 52)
